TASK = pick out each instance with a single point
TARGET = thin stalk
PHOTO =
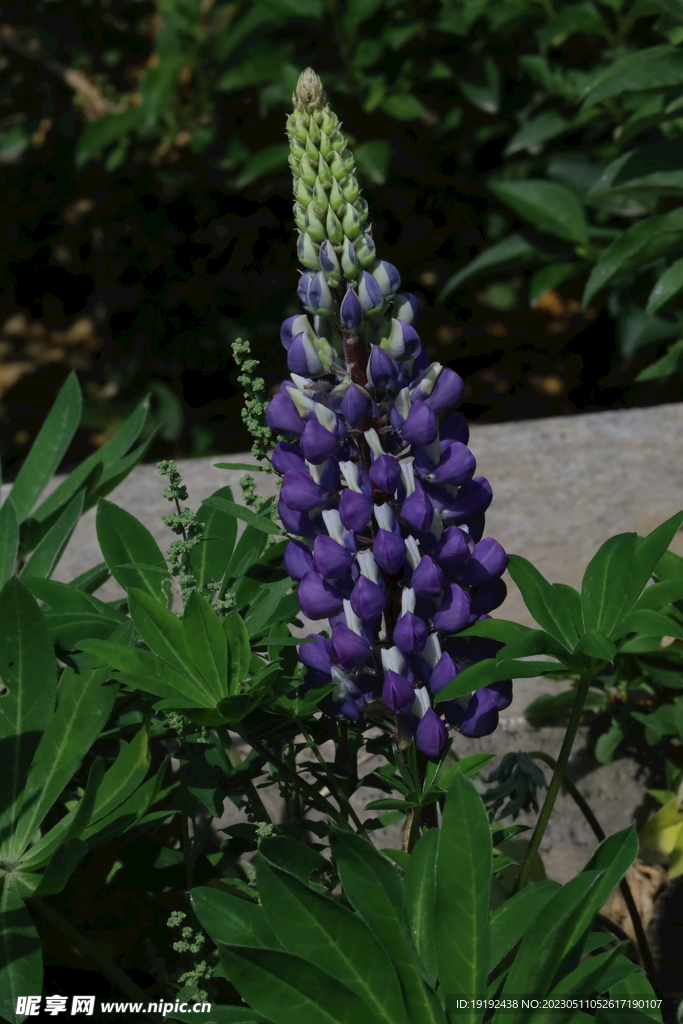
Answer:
(641, 938)
(340, 796)
(555, 782)
(93, 952)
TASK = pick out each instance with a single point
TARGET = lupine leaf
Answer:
(211, 556)
(372, 886)
(206, 644)
(143, 670)
(21, 958)
(667, 287)
(643, 241)
(239, 651)
(654, 169)
(649, 552)
(9, 540)
(546, 605)
(261, 522)
(514, 249)
(28, 669)
(231, 921)
(124, 540)
(49, 448)
(48, 552)
(659, 595)
(336, 940)
(463, 878)
(419, 889)
(607, 583)
(511, 920)
(548, 205)
(655, 67)
(548, 278)
(649, 622)
(73, 615)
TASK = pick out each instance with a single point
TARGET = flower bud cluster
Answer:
(378, 484)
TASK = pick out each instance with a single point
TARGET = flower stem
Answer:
(339, 794)
(555, 782)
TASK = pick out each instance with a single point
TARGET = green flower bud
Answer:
(325, 352)
(349, 162)
(296, 129)
(307, 252)
(308, 171)
(324, 172)
(314, 225)
(349, 260)
(312, 151)
(350, 189)
(365, 250)
(325, 146)
(295, 166)
(314, 133)
(337, 168)
(297, 148)
(308, 95)
(303, 192)
(362, 209)
(336, 198)
(329, 121)
(351, 222)
(299, 217)
(334, 228)
(338, 141)
(320, 195)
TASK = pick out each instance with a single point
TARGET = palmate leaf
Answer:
(607, 583)
(419, 890)
(50, 548)
(511, 920)
(73, 615)
(143, 670)
(211, 556)
(9, 540)
(548, 607)
(125, 542)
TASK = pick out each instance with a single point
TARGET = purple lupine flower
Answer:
(378, 487)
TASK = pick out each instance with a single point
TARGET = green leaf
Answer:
(642, 242)
(488, 671)
(534, 132)
(484, 96)
(131, 813)
(544, 944)
(511, 920)
(102, 133)
(606, 585)
(654, 67)
(636, 986)
(546, 605)
(124, 540)
(548, 205)
(256, 70)
(463, 878)
(206, 643)
(358, 11)
(373, 159)
(607, 743)
(404, 107)
(326, 934)
(288, 990)
(536, 641)
(92, 579)
(654, 169)
(513, 250)
(165, 634)
(372, 886)
(293, 857)
(419, 890)
(260, 522)
(249, 467)
(9, 540)
(667, 287)
(125, 775)
(239, 651)
(637, 329)
(596, 645)
(145, 671)
(84, 704)
(71, 614)
(648, 622)
(49, 447)
(211, 556)
(21, 959)
(271, 158)
(651, 550)
(659, 595)
(264, 611)
(98, 467)
(548, 278)
(498, 629)
(671, 362)
(613, 857)
(28, 669)
(49, 550)
(231, 921)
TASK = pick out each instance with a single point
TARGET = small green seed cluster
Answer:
(175, 722)
(254, 409)
(328, 204)
(251, 498)
(191, 942)
(183, 522)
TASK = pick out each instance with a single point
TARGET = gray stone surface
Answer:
(561, 488)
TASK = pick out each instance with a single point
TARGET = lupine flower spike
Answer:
(378, 485)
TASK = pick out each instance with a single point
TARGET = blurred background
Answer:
(520, 158)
